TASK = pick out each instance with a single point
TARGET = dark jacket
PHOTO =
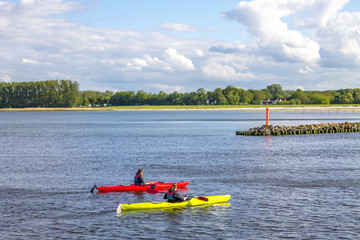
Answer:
(139, 179)
(174, 197)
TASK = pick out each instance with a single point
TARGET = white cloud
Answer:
(340, 41)
(316, 13)
(169, 88)
(25, 60)
(37, 8)
(199, 53)
(235, 72)
(58, 75)
(5, 78)
(285, 37)
(178, 27)
(263, 19)
(148, 63)
(140, 62)
(178, 61)
(306, 70)
(156, 64)
(324, 35)
(172, 61)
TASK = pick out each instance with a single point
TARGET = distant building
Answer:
(268, 101)
(272, 101)
(211, 102)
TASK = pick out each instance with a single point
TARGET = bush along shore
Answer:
(267, 130)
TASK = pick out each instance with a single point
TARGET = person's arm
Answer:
(178, 196)
(142, 179)
(165, 196)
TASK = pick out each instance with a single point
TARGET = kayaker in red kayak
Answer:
(139, 179)
(173, 196)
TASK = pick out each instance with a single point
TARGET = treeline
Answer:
(94, 98)
(235, 96)
(66, 93)
(52, 93)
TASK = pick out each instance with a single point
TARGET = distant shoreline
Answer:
(352, 108)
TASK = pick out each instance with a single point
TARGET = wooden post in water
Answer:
(267, 116)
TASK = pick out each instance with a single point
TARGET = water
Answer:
(295, 187)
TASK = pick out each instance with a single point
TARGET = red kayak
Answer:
(137, 187)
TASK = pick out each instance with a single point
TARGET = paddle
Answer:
(153, 182)
(154, 191)
(203, 199)
(151, 190)
(92, 190)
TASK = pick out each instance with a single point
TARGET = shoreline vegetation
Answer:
(65, 94)
(339, 108)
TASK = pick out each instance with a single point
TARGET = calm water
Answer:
(294, 187)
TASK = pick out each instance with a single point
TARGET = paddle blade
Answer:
(92, 190)
(118, 210)
(152, 191)
(203, 199)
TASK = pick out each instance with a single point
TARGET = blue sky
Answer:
(182, 45)
(143, 15)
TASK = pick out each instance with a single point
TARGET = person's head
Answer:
(140, 171)
(173, 187)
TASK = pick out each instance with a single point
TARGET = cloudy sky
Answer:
(182, 45)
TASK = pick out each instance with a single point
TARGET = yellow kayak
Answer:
(196, 201)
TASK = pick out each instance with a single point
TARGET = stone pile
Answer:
(267, 130)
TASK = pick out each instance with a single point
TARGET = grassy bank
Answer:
(350, 107)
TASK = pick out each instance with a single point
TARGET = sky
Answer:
(182, 45)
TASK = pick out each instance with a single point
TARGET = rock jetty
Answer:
(267, 130)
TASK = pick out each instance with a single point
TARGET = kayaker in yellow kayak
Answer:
(139, 179)
(173, 196)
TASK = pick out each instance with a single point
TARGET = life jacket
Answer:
(137, 180)
(170, 196)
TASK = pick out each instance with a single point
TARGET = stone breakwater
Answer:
(267, 130)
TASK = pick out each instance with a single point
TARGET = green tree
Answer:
(320, 99)
(356, 95)
(94, 97)
(346, 98)
(191, 98)
(68, 93)
(330, 93)
(51, 93)
(231, 94)
(141, 97)
(300, 95)
(220, 99)
(276, 91)
(162, 98)
(246, 97)
(176, 98)
(295, 101)
(201, 97)
(85, 101)
(258, 96)
(125, 98)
